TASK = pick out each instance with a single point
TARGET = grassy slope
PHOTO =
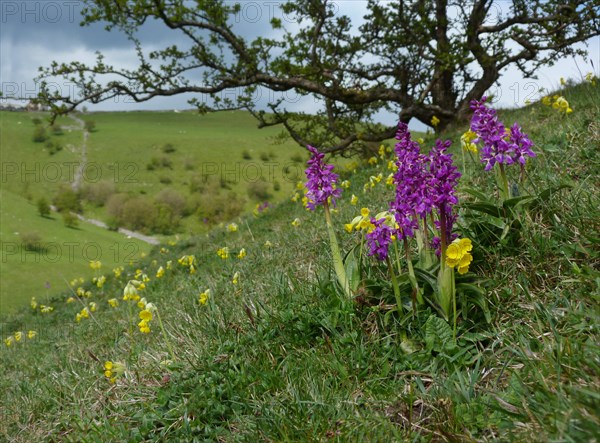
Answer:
(277, 358)
(24, 274)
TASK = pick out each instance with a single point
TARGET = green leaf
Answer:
(486, 208)
(352, 270)
(475, 295)
(477, 194)
(438, 335)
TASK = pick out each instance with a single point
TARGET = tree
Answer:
(43, 207)
(417, 58)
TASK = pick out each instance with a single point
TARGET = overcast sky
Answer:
(34, 33)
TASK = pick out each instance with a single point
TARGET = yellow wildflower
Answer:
(435, 121)
(33, 303)
(236, 278)
(18, 336)
(296, 222)
(232, 227)
(466, 141)
(95, 264)
(203, 298)
(354, 200)
(113, 302)
(31, 334)
(242, 253)
(223, 252)
(365, 212)
(160, 272)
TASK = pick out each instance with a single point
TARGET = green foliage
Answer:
(31, 241)
(39, 134)
(43, 207)
(99, 192)
(67, 200)
(90, 125)
(70, 220)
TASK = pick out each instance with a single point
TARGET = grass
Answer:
(280, 357)
(65, 253)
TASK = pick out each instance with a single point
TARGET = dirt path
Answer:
(145, 238)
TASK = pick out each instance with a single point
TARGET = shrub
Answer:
(172, 199)
(276, 186)
(168, 148)
(216, 208)
(246, 155)
(98, 193)
(43, 207)
(57, 130)
(67, 200)
(258, 191)
(264, 156)
(32, 241)
(53, 148)
(39, 134)
(69, 219)
(165, 180)
(90, 126)
(36, 121)
(158, 163)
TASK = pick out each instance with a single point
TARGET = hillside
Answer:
(274, 351)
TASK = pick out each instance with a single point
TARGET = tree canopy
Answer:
(418, 59)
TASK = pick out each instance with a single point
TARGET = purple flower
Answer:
(321, 181)
(499, 145)
(443, 179)
(379, 239)
(410, 179)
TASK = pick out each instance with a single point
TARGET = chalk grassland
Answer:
(279, 356)
(65, 253)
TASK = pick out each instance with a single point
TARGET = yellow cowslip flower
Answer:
(84, 313)
(223, 252)
(547, 101)
(138, 273)
(300, 186)
(192, 269)
(203, 298)
(113, 302)
(232, 227)
(142, 303)
(295, 197)
(70, 299)
(164, 251)
(143, 254)
(95, 264)
(242, 253)
(117, 271)
(31, 334)
(112, 370)
(80, 291)
(93, 306)
(100, 281)
(305, 201)
(144, 328)
(365, 212)
(236, 278)
(457, 254)
(349, 227)
(420, 140)
(562, 81)
(88, 294)
(268, 244)
(33, 303)
(466, 141)
(390, 180)
(169, 264)
(392, 166)
(160, 272)
(46, 309)
(372, 160)
(18, 336)
(145, 315)
(296, 222)
(9, 340)
(435, 121)
(145, 278)
(130, 292)
(590, 77)
(354, 200)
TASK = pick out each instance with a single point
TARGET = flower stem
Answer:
(164, 333)
(338, 263)
(416, 296)
(503, 182)
(394, 284)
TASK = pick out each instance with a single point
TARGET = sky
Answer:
(34, 33)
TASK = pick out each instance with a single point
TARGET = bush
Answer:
(32, 241)
(258, 191)
(57, 130)
(90, 126)
(172, 199)
(39, 134)
(165, 180)
(67, 200)
(264, 156)
(53, 148)
(216, 208)
(276, 186)
(36, 121)
(159, 163)
(43, 207)
(98, 193)
(168, 148)
(69, 219)
(141, 213)
(246, 155)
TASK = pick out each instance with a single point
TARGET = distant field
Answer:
(25, 274)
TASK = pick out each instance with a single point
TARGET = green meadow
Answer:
(246, 335)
